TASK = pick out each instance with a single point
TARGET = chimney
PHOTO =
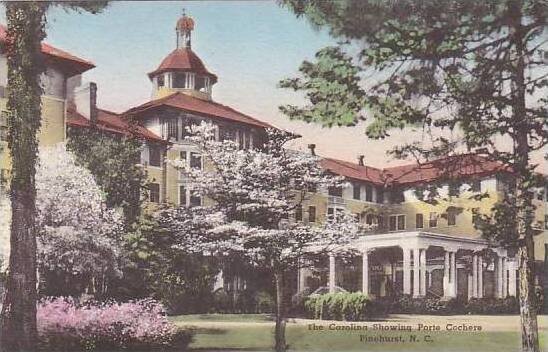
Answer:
(85, 101)
(360, 160)
(93, 102)
(312, 148)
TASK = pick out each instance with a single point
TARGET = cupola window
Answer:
(161, 81)
(179, 80)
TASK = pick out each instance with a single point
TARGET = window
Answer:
(226, 133)
(401, 222)
(392, 223)
(368, 193)
(357, 190)
(172, 128)
(396, 222)
(3, 126)
(311, 213)
(155, 155)
(546, 222)
(154, 192)
(451, 217)
(182, 195)
(335, 191)
(333, 213)
(299, 213)
(433, 221)
(195, 200)
(195, 161)
(380, 195)
(179, 80)
(201, 83)
(160, 80)
(381, 222)
(369, 219)
(419, 221)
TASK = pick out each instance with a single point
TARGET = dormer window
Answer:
(160, 81)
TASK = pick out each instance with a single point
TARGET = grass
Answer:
(255, 333)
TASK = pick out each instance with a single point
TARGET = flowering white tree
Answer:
(255, 193)
(78, 236)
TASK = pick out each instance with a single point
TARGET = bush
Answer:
(222, 302)
(298, 302)
(264, 303)
(488, 306)
(341, 306)
(64, 326)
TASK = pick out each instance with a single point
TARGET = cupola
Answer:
(182, 70)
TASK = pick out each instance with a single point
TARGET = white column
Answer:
(406, 271)
(302, 276)
(446, 290)
(422, 267)
(499, 273)
(332, 273)
(474, 275)
(416, 272)
(470, 286)
(480, 276)
(453, 260)
(365, 272)
(504, 277)
(512, 279)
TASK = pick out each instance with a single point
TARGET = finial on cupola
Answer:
(185, 26)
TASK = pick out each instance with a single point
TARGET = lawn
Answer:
(255, 333)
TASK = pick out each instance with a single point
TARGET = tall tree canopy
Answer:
(25, 32)
(476, 68)
(255, 194)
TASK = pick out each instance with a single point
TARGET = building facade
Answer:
(61, 69)
(415, 246)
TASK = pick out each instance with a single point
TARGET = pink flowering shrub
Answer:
(65, 326)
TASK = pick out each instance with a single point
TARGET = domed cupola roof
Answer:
(184, 60)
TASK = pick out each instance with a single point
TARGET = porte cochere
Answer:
(419, 264)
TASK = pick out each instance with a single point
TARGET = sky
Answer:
(249, 45)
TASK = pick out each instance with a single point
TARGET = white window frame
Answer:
(397, 223)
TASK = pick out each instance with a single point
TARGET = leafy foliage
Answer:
(65, 326)
(79, 237)
(183, 282)
(113, 161)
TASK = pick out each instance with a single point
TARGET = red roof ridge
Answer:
(240, 117)
(83, 64)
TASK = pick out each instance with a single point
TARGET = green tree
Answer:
(113, 160)
(473, 67)
(26, 29)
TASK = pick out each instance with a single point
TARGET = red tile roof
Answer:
(74, 65)
(457, 166)
(352, 170)
(463, 165)
(199, 106)
(112, 122)
(183, 59)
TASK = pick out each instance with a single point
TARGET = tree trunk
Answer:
(279, 333)
(25, 64)
(524, 196)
